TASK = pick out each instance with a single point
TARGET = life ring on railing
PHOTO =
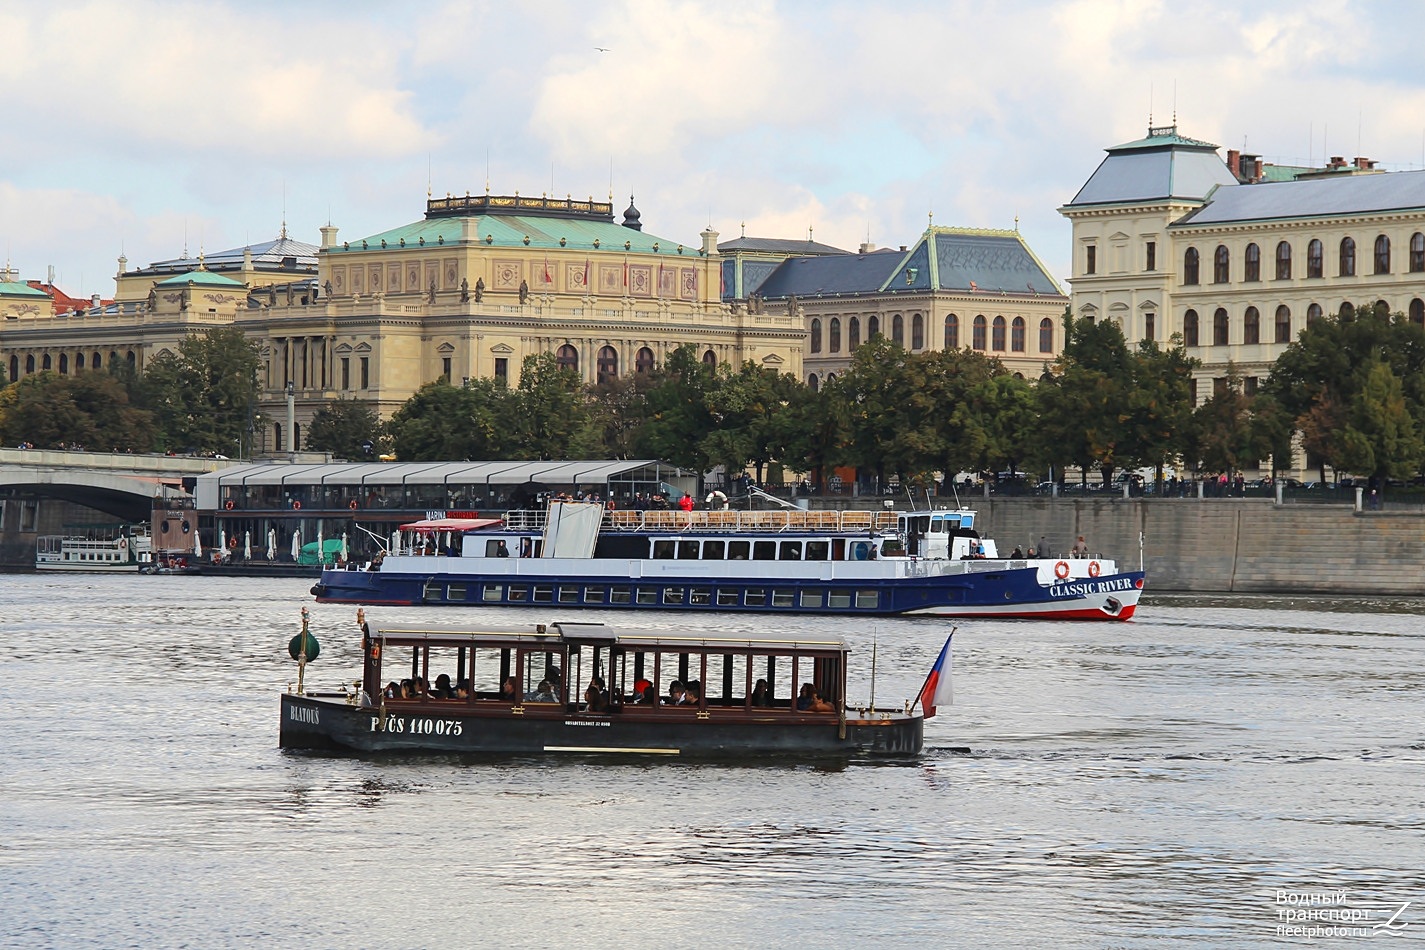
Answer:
(375, 651)
(123, 544)
(351, 504)
(1093, 569)
(296, 506)
(229, 505)
(1061, 570)
(232, 543)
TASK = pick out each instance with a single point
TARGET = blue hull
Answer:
(1008, 593)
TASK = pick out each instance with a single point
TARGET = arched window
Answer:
(14, 368)
(64, 363)
(873, 327)
(608, 364)
(643, 361)
(997, 336)
(97, 362)
(898, 330)
(1382, 256)
(1315, 256)
(816, 336)
(854, 334)
(131, 358)
(567, 358)
(952, 332)
(1190, 328)
(1253, 263)
(1348, 257)
(978, 334)
(830, 378)
(1283, 324)
(1347, 311)
(833, 343)
(813, 384)
(1219, 327)
(1417, 312)
(1221, 265)
(917, 332)
(79, 361)
(1284, 261)
(1417, 252)
(44, 362)
(1313, 313)
(1252, 326)
(1190, 266)
(710, 358)
(1016, 335)
(1046, 335)
(1382, 309)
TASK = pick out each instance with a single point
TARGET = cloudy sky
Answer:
(146, 126)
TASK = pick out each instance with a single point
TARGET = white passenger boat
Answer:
(90, 555)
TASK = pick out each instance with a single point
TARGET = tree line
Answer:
(1352, 387)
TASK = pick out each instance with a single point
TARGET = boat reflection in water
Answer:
(589, 688)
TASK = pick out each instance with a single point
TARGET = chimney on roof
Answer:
(94, 301)
(1256, 169)
(1234, 162)
(328, 235)
(903, 248)
(867, 248)
(709, 237)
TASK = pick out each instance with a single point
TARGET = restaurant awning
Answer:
(432, 525)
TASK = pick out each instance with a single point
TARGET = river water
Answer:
(1161, 782)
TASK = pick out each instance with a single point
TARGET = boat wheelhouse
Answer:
(844, 562)
(587, 688)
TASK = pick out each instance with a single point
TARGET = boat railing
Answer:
(770, 521)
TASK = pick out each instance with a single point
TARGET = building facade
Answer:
(1236, 257)
(980, 289)
(467, 292)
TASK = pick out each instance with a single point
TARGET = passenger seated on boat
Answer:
(462, 691)
(1017, 553)
(408, 689)
(810, 700)
(509, 690)
(392, 690)
(1081, 548)
(595, 698)
(649, 696)
(375, 564)
(443, 689)
(676, 694)
(501, 550)
(640, 691)
(543, 694)
(692, 693)
(761, 694)
(422, 688)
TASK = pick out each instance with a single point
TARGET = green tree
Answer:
(1228, 441)
(1159, 405)
(204, 396)
(753, 412)
(1381, 437)
(679, 419)
(1084, 406)
(552, 417)
(90, 409)
(447, 423)
(617, 408)
(345, 428)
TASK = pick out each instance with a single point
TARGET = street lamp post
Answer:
(291, 420)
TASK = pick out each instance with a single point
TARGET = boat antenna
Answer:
(873, 669)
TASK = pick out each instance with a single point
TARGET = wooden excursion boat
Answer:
(588, 688)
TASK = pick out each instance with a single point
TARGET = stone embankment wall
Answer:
(1227, 544)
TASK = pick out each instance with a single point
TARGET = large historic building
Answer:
(956, 287)
(1237, 256)
(467, 292)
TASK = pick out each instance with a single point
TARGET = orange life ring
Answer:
(296, 506)
(351, 504)
(232, 543)
(1093, 569)
(1061, 570)
(375, 651)
(229, 505)
(123, 544)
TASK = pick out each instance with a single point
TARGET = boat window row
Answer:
(696, 550)
(653, 595)
(599, 678)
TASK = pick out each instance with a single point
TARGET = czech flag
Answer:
(937, 690)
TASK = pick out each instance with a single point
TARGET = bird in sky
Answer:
(602, 49)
